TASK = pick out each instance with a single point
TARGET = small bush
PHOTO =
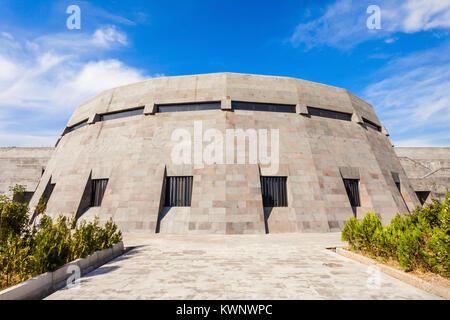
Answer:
(27, 251)
(349, 231)
(420, 240)
(14, 216)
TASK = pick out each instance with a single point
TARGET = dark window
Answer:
(45, 197)
(422, 195)
(24, 197)
(372, 125)
(77, 126)
(48, 191)
(121, 114)
(97, 192)
(352, 188)
(178, 192)
(255, 106)
(273, 191)
(329, 114)
(396, 178)
(189, 107)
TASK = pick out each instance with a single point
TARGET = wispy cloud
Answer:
(47, 77)
(412, 97)
(343, 23)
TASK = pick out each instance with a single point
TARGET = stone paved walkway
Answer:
(274, 266)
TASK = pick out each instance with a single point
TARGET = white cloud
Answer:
(8, 69)
(343, 24)
(107, 37)
(104, 37)
(7, 35)
(413, 97)
(418, 15)
(42, 81)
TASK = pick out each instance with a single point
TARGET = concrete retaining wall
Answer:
(47, 283)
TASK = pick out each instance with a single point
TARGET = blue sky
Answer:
(402, 69)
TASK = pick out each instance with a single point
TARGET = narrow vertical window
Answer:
(98, 190)
(352, 188)
(48, 191)
(178, 191)
(396, 178)
(274, 192)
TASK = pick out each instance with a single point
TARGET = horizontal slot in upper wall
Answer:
(256, 106)
(122, 114)
(76, 126)
(372, 125)
(198, 106)
(317, 112)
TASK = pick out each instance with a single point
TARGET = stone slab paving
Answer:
(274, 266)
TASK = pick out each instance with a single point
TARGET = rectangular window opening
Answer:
(97, 192)
(178, 191)
(24, 197)
(274, 191)
(372, 125)
(122, 114)
(76, 126)
(352, 189)
(198, 106)
(257, 106)
(317, 112)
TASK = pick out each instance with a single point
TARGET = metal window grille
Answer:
(189, 107)
(256, 106)
(352, 188)
(121, 114)
(178, 191)
(329, 114)
(98, 190)
(274, 192)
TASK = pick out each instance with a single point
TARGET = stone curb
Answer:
(45, 284)
(400, 275)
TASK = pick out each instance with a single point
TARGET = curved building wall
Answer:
(315, 153)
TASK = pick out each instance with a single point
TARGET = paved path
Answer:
(274, 266)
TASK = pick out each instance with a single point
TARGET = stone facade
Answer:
(22, 166)
(428, 169)
(134, 153)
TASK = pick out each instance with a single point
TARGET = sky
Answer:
(402, 68)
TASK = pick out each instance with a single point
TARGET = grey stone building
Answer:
(116, 158)
(428, 170)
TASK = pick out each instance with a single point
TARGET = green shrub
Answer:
(366, 231)
(408, 249)
(14, 260)
(420, 240)
(349, 230)
(51, 244)
(13, 216)
(27, 251)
